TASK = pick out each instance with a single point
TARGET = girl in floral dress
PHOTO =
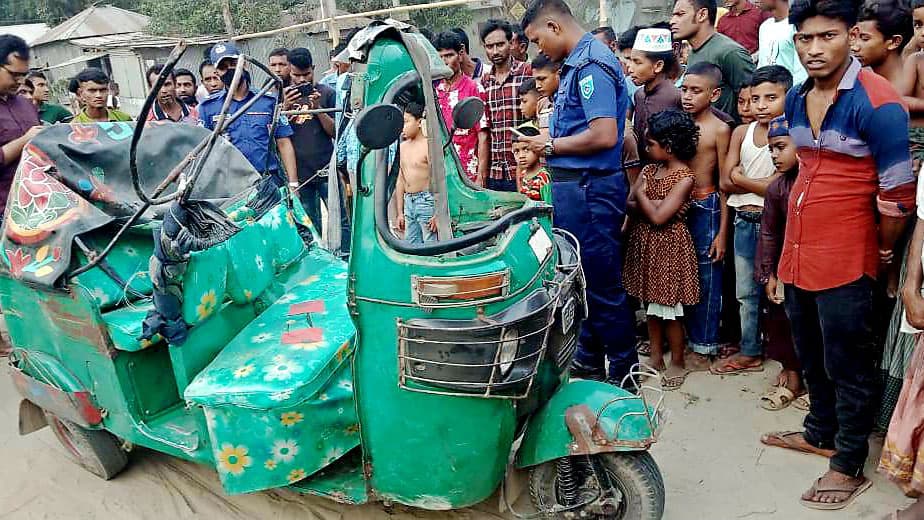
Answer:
(660, 267)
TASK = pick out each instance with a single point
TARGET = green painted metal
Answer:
(429, 451)
(547, 436)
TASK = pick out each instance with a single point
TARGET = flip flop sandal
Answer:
(802, 403)
(777, 398)
(854, 491)
(643, 348)
(729, 367)
(674, 382)
(781, 442)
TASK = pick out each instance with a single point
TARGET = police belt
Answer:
(576, 174)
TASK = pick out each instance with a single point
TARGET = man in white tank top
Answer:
(748, 171)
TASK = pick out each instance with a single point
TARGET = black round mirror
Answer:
(378, 126)
(467, 113)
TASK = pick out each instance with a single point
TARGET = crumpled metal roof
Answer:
(95, 21)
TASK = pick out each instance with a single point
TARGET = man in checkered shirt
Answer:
(496, 164)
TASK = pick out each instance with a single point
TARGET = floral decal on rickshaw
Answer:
(234, 459)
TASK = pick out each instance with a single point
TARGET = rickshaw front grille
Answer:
(476, 358)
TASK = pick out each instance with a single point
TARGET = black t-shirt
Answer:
(313, 147)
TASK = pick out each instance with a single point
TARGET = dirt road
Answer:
(713, 468)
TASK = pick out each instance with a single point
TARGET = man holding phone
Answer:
(313, 138)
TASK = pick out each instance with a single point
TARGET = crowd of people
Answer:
(743, 177)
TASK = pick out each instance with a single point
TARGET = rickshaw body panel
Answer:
(625, 420)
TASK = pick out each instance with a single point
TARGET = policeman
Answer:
(589, 188)
(250, 133)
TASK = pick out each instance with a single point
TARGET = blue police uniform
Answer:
(589, 193)
(250, 133)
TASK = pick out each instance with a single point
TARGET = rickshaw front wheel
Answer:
(97, 451)
(613, 486)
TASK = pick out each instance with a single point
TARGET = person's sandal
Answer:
(854, 491)
(777, 398)
(802, 403)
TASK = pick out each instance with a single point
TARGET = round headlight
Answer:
(508, 350)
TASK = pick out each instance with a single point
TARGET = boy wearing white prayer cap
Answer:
(651, 61)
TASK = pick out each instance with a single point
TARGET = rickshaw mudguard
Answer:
(586, 417)
(49, 386)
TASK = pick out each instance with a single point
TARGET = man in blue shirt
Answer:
(250, 133)
(589, 188)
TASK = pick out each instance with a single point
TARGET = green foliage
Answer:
(185, 18)
(51, 12)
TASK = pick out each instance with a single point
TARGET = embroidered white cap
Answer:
(653, 40)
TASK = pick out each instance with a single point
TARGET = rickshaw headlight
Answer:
(509, 344)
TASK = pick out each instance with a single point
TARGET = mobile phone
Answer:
(306, 89)
(780, 291)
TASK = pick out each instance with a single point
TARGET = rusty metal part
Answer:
(590, 439)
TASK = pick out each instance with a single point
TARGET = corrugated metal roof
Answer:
(28, 31)
(80, 59)
(95, 21)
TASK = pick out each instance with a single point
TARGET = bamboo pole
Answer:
(390, 10)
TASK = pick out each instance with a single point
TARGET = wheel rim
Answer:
(65, 437)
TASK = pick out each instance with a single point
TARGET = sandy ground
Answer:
(713, 468)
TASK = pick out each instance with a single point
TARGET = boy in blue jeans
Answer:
(707, 216)
(748, 171)
(415, 202)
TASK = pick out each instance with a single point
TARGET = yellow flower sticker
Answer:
(291, 418)
(206, 305)
(270, 464)
(243, 371)
(314, 345)
(234, 459)
(295, 475)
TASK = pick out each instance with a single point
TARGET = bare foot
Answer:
(737, 364)
(657, 363)
(834, 489)
(697, 362)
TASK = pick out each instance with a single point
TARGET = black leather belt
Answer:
(576, 174)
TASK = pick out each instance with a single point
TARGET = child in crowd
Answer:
(912, 85)
(546, 75)
(748, 170)
(652, 60)
(744, 104)
(788, 388)
(412, 193)
(660, 264)
(707, 217)
(533, 180)
(529, 101)
(880, 36)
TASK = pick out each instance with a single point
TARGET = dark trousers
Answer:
(311, 196)
(593, 208)
(833, 333)
(500, 184)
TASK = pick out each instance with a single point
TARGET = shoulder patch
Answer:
(587, 86)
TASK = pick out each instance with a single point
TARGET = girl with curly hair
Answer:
(660, 267)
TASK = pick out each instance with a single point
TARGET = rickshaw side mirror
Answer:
(467, 113)
(379, 125)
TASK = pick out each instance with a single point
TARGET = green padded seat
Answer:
(124, 326)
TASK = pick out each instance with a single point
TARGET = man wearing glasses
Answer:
(19, 120)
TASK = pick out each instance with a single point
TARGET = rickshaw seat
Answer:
(129, 259)
(124, 326)
(291, 354)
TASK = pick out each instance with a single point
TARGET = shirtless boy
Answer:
(415, 202)
(707, 217)
(911, 86)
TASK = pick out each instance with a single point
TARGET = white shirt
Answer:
(775, 47)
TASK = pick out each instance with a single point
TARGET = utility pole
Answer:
(226, 14)
(329, 10)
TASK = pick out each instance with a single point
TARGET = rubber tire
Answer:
(639, 479)
(97, 451)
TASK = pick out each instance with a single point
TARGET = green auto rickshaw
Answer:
(160, 292)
